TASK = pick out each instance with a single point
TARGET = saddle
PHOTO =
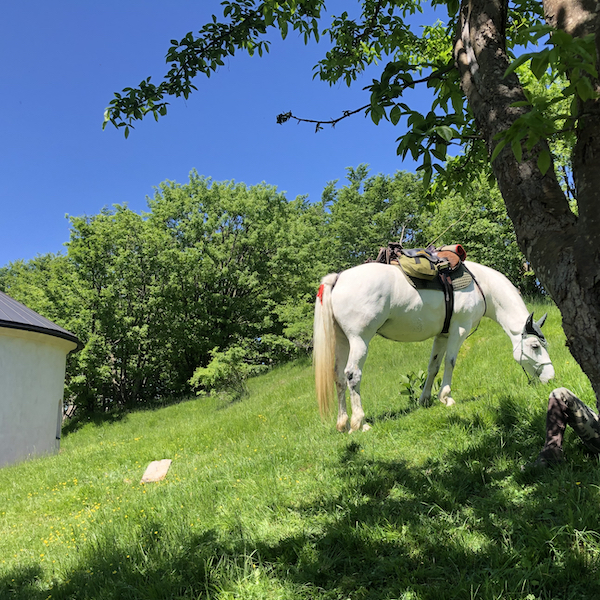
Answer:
(431, 268)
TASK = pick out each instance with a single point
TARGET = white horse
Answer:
(376, 298)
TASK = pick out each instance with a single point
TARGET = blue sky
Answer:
(60, 65)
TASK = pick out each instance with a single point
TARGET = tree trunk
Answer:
(562, 247)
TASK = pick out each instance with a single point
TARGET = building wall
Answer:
(32, 378)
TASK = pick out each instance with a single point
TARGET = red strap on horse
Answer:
(320, 293)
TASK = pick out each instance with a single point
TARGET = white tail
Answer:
(324, 345)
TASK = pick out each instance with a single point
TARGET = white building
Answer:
(33, 355)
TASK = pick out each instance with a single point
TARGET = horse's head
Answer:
(531, 352)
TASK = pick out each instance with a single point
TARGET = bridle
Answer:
(539, 366)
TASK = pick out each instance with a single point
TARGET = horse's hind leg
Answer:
(342, 348)
(353, 372)
(435, 362)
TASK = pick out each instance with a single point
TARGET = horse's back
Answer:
(378, 298)
(362, 295)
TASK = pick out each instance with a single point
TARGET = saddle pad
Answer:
(461, 278)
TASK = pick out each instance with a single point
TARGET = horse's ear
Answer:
(533, 328)
(528, 328)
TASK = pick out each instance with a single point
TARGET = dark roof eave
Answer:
(65, 335)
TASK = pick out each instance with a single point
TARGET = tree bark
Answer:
(562, 247)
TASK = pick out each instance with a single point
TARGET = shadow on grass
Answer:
(75, 423)
(127, 574)
(391, 415)
(412, 406)
(116, 415)
(467, 526)
(464, 525)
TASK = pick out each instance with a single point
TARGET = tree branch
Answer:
(284, 117)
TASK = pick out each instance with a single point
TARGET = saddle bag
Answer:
(419, 263)
(423, 263)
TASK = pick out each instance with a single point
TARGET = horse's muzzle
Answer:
(546, 374)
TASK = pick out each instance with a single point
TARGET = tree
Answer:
(217, 276)
(482, 102)
(116, 258)
(49, 285)
(477, 219)
(369, 212)
(240, 256)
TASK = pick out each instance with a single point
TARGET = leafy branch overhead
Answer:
(247, 22)
(409, 56)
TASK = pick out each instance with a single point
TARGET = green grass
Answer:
(264, 500)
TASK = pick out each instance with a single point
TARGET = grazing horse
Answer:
(375, 298)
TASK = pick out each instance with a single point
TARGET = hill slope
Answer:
(264, 500)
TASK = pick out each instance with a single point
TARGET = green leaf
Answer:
(440, 151)
(395, 115)
(377, 113)
(106, 118)
(539, 64)
(457, 102)
(544, 161)
(517, 150)
(453, 6)
(574, 107)
(444, 132)
(427, 174)
(517, 63)
(498, 149)
(585, 89)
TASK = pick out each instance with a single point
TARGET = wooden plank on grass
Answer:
(156, 470)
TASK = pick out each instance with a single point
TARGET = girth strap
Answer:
(448, 299)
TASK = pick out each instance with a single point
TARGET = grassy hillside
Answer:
(264, 500)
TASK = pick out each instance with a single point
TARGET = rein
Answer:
(482, 295)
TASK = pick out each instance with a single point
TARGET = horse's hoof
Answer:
(366, 427)
(342, 427)
(357, 424)
(449, 401)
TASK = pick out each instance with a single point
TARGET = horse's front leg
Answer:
(435, 362)
(455, 340)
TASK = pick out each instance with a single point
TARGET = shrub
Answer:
(227, 372)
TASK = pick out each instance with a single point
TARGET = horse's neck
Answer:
(505, 305)
(512, 319)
